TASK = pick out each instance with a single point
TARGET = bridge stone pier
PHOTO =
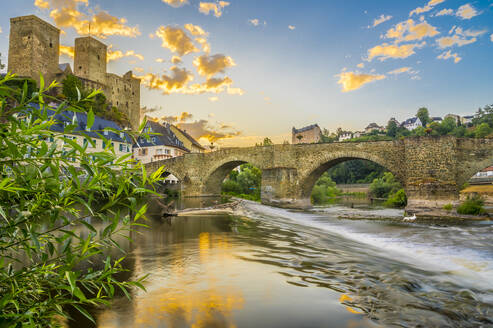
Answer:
(431, 169)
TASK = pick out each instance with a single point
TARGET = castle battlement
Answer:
(34, 49)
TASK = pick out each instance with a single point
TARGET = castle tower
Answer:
(90, 59)
(33, 48)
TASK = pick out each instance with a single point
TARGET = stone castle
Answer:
(34, 50)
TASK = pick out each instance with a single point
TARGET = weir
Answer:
(432, 170)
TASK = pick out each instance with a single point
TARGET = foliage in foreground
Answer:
(244, 182)
(473, 205)
(48, 262)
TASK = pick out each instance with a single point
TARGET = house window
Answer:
(166, 151)
(121, 135)
(124, 148)
(153, 139)
(105, 132)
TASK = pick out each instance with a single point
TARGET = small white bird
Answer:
(409, 218)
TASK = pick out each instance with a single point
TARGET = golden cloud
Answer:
(491, 37)
(352, 81)
(429, 6)
(183, 117)
(409, 31)
(98, 23)
(207, 7)
(361, 65)
(176, 60)
(195, 30)
(448, 54)
(445, 12)
(176, 3)
(67, 51)
(205, 46)
(460, 38)
(203, 129)
(138, 69)
(292, 27)
(210, 65)
(179, 80)
(386, 51)
(213, 99)
(118, 54)
(176, 40)
(466, 11)
(381, 19)
(400, 70)
(160, 60)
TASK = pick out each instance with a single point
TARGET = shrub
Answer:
(384, 186)
(448, 207)
(397, 199)
(472, 206)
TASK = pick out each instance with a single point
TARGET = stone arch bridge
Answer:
(431, 169)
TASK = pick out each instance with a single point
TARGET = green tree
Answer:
(72, 88)
(392, 128)
(447, 126)
(482, 130)
(47, 195)
(324, 190)
(384, 186)
(423, 115)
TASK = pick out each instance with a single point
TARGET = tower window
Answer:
(99, 57)
(51, 44)
(80, 67)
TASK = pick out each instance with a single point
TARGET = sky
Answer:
(233, 72)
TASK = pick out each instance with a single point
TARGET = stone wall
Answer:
(431, 169)
(34, 48)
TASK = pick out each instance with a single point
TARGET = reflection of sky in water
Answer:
(200, 279)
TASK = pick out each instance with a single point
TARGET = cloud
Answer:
(160, 60)
(195, 30)
(445, 12)
(183, 117)
(448, 54)
(467, 11)
(96, 22)
(254, 21)
(138, 69)
(381, 19)
(203, 129)
(386, 51)
(400, 70)
(291, 27)
(203, 42)
(176, 3)
(460, 38)
(491, 37)
(176, 60)
(210, 65)
(178, 83)
(409, 31)
(361, 65)
(67, 51)
(213, 99)
(429, 6)
(176, 40)
(168, 84)
(118, 54)
(352, 81)
(207, 7)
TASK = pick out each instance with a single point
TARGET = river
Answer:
(271, 267)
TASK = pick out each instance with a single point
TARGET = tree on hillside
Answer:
(70, 85)
(423, 115)
(392, 128)
(267, 142)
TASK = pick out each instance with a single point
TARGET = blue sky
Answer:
(279, 77)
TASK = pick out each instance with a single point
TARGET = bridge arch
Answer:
(215, 176)
(472, 168)
(328, 160)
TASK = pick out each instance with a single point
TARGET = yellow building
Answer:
(188, 141)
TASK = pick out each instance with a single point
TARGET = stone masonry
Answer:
(34, 50)
(431, 169)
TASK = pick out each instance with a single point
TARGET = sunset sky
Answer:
(237, 71)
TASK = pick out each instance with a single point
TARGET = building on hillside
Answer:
(411, 123)
(436, 119)
(467, 120)
(358, 134)
(161, 144)
(374, 127)
(34, 47)
(120, 142)
(307, 134)
(188, 141)
(345, 136)
(455, 117)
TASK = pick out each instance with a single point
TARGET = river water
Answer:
(270, 267)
